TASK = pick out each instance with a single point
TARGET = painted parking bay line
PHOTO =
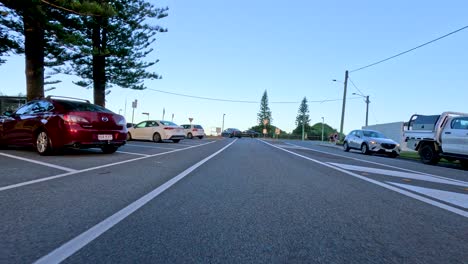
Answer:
(459, 199)
(380, 164)
(69, 248)
(400, 174)
(38, 162)
(133, 153)
(143, 146)
(381, 184)
(17, 185)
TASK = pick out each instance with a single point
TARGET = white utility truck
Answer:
(439, 136)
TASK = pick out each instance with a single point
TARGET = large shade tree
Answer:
(41, 30)
(115, 49)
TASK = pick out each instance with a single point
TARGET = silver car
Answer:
(370, 141)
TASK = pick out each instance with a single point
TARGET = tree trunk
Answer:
(34, 53)
(99, 65)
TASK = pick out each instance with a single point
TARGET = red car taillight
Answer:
(169, 128)
(74, 119)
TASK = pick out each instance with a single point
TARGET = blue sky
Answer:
(238, 49)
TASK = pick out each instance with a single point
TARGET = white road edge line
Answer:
(8, 187)
(38, 162)
(75, 244)
(384, 185)
(381, 164)
(133, 153)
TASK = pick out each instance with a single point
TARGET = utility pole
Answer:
(134, 105)
(303, 122)
(344, 104)
(367, 110)
(222, 127)
(323, 121)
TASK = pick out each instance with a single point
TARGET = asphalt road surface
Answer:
(229, 201)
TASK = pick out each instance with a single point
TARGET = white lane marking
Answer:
(401, 174)
(8, 187)
(75, 244)
(133, 153)
(384, 185)
(141, 146)
(290, 146)
(382, 164)
(182, 144)
(39, 162)
(459, 199)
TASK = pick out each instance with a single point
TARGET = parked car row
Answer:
(234, 132)
(54, 123)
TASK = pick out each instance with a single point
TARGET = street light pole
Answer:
(303, 121)
(323, 121)
(367, 110)
(222, 127)
(344, 104)
(367, 106)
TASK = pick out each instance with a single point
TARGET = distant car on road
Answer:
(157, 131)
(250, 133)
(56, 122)
(370, 141)
(232, 132)
(192, 131)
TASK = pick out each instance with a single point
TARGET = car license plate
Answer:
(104, 137)
(388, 150)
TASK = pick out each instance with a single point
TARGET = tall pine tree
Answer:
(114, 48)
(265, 112)
(43, 35)
(302, 117)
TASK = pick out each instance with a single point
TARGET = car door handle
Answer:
(448, 133)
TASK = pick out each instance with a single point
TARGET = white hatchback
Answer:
(192, 131)
(157, 131)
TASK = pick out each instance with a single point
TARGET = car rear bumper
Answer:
(88, 138)
(171, 137)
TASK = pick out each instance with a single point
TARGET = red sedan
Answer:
(54, 123)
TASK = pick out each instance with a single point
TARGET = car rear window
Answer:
(167, 123)
(198, 126)
(81, 106)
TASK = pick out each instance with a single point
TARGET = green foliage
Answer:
(10, 40)
(303, 114)
(265, 112)
(50, 33)
(123, 41)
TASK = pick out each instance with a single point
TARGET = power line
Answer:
(404, 52)
(355, 86)
(244, 101)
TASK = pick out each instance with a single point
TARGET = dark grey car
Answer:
(370, 141)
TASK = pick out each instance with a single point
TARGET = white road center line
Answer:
(72, 246)
(38, 162)
(133, 153)
(401, 174)
(8, 187)
(381, 164)
(384, 185)
(142, 146)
